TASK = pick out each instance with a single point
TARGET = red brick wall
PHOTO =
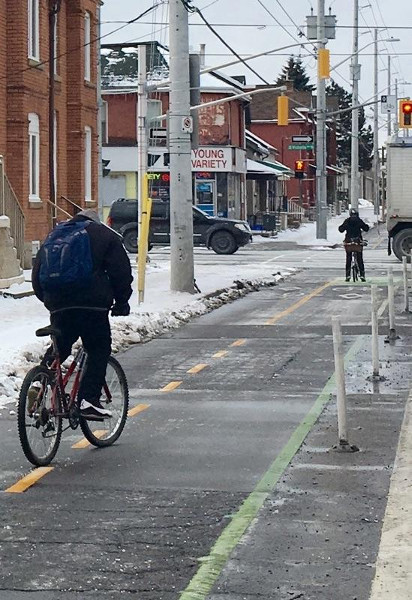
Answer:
(28, 91)
(218, 125)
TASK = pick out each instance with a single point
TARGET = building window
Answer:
(33, 29)
(88, 164)
(34, 157)
(87, 40)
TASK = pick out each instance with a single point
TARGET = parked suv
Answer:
(223, 236)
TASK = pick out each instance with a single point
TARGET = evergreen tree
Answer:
(344, 127)
(295, 72)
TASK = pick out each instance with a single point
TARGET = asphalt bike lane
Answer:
(216, 403)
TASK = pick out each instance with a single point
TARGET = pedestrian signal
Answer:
(299, 169)
(405, 114)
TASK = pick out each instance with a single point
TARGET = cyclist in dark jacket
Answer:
(354, 226)
(84, 312)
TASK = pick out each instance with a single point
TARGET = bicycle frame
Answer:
(61, 381)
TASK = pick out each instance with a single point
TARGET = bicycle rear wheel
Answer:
(355, 271)
(115, 397)
(40, 430)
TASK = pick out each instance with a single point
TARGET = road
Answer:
(137, 517)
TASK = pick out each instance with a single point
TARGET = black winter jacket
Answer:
(111, 280)
(353, 226)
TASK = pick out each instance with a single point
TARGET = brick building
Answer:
(24, 106)
(302, 106)
(219, 164)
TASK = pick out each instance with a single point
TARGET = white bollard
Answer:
(340, 380)
(343, 444)
(405, 283)
(375, 333)
(391, 299)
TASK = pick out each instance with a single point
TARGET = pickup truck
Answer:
(223, 236)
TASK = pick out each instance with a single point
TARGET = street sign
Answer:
(302, 139)
(158, 133)
(388, 104)
(300, 147)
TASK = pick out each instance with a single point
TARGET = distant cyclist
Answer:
(80, 273)
(354, 226)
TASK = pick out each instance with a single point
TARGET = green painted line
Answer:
(213, 564)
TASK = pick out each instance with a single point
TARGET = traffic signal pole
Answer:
(355, 72)
(180, 128)
(375, 127)
(321, 181)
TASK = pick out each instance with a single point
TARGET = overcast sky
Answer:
(266, 34)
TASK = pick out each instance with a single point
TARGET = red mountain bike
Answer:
(49, 395)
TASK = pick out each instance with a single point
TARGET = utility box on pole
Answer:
(180, 130)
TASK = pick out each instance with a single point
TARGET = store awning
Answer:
(257, 167)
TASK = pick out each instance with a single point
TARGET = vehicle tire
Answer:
(223, 242)
(39, 432)
(402, 244)
(118, 403)
(130, 241)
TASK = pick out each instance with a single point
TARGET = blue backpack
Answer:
(66, 258)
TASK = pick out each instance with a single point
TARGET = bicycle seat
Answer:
(48, 331)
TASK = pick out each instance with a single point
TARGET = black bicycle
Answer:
(49, 395)
(355, 246)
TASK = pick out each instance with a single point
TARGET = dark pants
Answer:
(93, 328)
(360, 263)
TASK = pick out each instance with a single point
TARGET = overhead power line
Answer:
(193, 9)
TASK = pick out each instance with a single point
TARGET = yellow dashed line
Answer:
(240, 342)
(298, 304)
(221, 354)
(171, 386)
(197, 368)
(99, 433)
(137, 409)
(23, 484)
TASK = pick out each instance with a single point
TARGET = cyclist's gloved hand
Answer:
(120, 310)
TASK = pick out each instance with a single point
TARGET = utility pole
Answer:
(141, 130)
(389, 93)
(180, 129)
(321, 181)
(375, 128)
(355, 72)
(395, 121)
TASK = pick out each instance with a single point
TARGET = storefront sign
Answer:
(212, 159)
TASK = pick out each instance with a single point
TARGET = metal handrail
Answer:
(10, 206)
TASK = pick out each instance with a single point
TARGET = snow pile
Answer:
(20, 349)
(306, 234)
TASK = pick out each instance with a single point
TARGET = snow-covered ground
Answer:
(162, 310)
(306, 234)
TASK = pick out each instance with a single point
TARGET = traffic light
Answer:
(405, 114)
(299, 169)
(283, 110)
(324, 63)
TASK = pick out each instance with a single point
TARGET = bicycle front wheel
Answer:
(39, 419)
(115, 397)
